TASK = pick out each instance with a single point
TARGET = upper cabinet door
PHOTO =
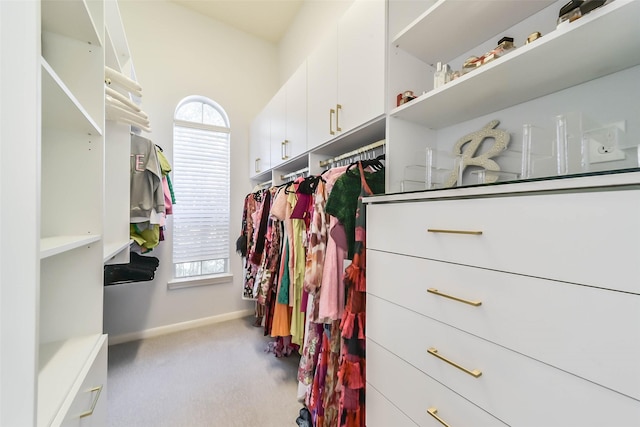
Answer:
(259, 146)
(346, 74)
(296, 113)
(276, 115)
(361, 63)
(322, 76)
(288, 116)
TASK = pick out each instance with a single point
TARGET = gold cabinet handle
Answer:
(97, 391)
(466, 301)
(439, 230)
(338, 108)
(433, 412)
(331, 113)
(256, 164)
(283, 149)
(474, 373)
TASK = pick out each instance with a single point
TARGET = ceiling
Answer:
(266, 19)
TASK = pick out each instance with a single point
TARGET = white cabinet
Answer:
(332, 104)
(260, 144)
(346, 73)
(278, 134)
(361, 64)
(322, 80)
(477, 310)
(53, 348)
(287, 112)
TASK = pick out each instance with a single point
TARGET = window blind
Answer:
(201, 186)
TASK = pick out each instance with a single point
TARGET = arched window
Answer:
(201, 181)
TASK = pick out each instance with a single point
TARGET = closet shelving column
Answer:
(72, 348)
(117, 146)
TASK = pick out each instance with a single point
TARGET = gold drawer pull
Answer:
(466, 301)
(434, 352)
(433, 412)
(338, 108)
(95, 402)
(438, 230)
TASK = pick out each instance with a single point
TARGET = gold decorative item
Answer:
(471, 143)
(533, 36)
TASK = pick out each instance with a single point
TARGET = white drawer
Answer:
(579, 329)
(413, 393)
(382, 413)
(590, 238)
(514, 388)
(89, 408)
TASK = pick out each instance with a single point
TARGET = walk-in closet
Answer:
(319, 213)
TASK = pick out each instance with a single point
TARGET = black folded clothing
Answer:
(139, 269)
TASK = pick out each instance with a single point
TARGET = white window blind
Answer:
(201, 186)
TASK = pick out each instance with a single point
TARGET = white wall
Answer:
(177, 53)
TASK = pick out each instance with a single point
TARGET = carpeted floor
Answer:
(212, 376)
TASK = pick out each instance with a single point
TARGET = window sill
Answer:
(190, 282)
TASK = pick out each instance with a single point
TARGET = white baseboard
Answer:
(176, 327)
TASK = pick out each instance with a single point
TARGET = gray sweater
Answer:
(146, 180)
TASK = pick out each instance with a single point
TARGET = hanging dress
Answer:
(351, 374)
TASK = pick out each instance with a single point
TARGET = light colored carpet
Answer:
(212, 376)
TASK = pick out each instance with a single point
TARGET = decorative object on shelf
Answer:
(570, 11)
(505, 45)
(471, 143)
(590, 5)
(471, 63)
(576, 9)
(533, 36)
(405, 97)
(442, 76)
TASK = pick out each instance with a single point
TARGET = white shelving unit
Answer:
(584, 72)
(564, 71)
(117, 146)
(71, 214)
(556, 61)
(64, 210)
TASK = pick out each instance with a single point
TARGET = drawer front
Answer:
(89, 408)
(588, 238)
(413, 393)
(382, 413)
(514, 388)
(578, 329)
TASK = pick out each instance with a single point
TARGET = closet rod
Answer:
(296, 173)
(360, 150)
(265, 184)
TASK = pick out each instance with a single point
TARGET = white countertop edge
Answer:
(560, 184)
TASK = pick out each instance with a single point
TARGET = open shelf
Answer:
(50, 246)
(451, 27)
(558, 60)
(113, 249)
(62, 366)
(116, 37)
(60, 108)
(72, 19)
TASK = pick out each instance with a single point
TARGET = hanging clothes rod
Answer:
(360, 150)
(294, 174)
(262, 185)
